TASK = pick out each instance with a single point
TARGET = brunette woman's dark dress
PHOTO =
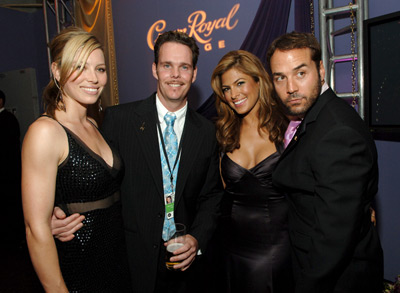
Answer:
(95, 260)
(255, 240)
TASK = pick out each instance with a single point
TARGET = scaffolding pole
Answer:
(61, 20)
(327, 14)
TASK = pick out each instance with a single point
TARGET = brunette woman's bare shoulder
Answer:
(92, 121)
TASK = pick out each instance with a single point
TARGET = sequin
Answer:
(95, 260)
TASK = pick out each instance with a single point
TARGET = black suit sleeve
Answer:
(208, 201)
(341, 166)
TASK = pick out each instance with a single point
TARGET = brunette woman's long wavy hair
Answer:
(271, 117)
(70, 43)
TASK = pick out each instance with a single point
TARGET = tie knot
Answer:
(290, 131)
(293, 124)
(170, 119)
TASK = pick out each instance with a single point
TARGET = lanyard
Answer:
(165, 152)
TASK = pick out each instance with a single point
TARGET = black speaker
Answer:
(382, 76)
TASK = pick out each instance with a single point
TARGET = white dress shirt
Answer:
(179, 122)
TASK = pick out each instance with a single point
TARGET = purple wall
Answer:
(23, 43)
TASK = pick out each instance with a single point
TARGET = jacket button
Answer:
(159, 215)
(155, 246)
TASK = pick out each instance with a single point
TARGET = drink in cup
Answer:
(175, 242)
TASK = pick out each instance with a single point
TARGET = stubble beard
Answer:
(309, 101)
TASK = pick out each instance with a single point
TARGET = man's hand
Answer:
(186, 253)
(63, 228)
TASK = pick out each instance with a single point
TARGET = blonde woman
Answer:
(66, 162)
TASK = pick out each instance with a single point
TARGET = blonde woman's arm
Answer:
(45, 145)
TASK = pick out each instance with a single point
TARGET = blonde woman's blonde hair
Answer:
(69, 44)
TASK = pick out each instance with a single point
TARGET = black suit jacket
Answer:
(9, 140)
(132, 129)
(10, 154)
(10, 180)
(330, 173)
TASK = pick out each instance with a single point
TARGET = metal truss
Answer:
(328, 14)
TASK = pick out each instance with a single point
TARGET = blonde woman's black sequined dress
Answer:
(95, 260)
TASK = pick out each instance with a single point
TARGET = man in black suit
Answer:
(10, 177)
(9, 135)
(329, 171)
(136, 129)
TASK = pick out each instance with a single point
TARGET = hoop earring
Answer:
(100, 107)
(56, 83)
(60, 102)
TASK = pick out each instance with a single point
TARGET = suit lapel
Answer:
(191, 142)
(310, 117)
(145, 126)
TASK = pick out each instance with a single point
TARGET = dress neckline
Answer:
(92, 153)
(255, 166)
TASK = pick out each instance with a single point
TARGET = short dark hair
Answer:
(3, 97)
(296, 40)
(176, 37)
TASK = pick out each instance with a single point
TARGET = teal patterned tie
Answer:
(171, 148)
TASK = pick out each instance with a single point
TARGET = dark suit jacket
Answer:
(9, 141)
(10, 180)
(330, 173)
(132, 129)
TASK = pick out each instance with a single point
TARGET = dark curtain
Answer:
(303, 19)
(96, 17)
(269, 23)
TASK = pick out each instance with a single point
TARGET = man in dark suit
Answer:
(329, 171)
(10, 140)
(136, 129)
(10, 177)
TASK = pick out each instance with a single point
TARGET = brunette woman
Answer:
(250, 132)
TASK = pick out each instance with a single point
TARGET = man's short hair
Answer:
(176, 37)
(296, 40)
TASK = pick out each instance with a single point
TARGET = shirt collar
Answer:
(161, 110)
(324, 87)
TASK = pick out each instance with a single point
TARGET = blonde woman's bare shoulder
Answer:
(46, 135)
(46, 128)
